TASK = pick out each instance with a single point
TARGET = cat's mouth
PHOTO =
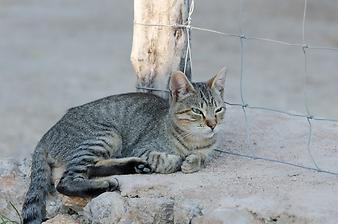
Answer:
(207, 133)
(203, 132)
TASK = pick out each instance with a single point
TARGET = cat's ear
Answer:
(218, 81)
(180, 87)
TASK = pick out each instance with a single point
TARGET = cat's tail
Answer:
(34, 207)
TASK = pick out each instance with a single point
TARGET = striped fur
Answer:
(126, 134)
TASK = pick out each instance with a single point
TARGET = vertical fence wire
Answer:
(306, 97)
(244, 104)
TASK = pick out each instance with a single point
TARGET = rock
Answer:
(107, 208)
(185, 211)
(149, 210)
(111, 207)
(75, 203)
(61, 219)
(14, 182)
(54, 205)
(13, 186)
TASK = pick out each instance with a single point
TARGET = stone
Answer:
(185, 211)
(75, 203)
(13, 186)
(14, 182)
(61, 219)
(106, 208)
(149, 210)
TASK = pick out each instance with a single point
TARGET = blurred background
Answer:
(59, 54)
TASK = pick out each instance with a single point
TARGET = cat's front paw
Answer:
(161, 162)
(191, 164)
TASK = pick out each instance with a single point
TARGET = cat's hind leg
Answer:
(77, 184)
(75, 180)
(128, 165)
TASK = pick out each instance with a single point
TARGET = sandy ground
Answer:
(59, 54)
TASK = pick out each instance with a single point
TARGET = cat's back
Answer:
(126, 103)
(119, 110)
(129, 114)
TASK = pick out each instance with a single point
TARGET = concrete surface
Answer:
(59, 54)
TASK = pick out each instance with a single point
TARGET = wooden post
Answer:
(157, 51)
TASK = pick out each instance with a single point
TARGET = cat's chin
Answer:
(210, 135)
(207, 134)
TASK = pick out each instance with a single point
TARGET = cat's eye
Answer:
(218, 110)
(197, 111)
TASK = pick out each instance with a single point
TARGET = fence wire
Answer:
(244, 105)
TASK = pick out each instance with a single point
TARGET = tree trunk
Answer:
(157, 51)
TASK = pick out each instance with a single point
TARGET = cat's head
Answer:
(197, 108)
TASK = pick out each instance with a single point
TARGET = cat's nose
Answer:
(211, 124)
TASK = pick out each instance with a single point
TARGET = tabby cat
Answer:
(126, 134)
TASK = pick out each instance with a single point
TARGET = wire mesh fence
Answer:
(244, 104)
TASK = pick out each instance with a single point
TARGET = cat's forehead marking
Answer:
(205, 95)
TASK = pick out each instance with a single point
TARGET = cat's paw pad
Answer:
(191, 164)
(143, 167)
